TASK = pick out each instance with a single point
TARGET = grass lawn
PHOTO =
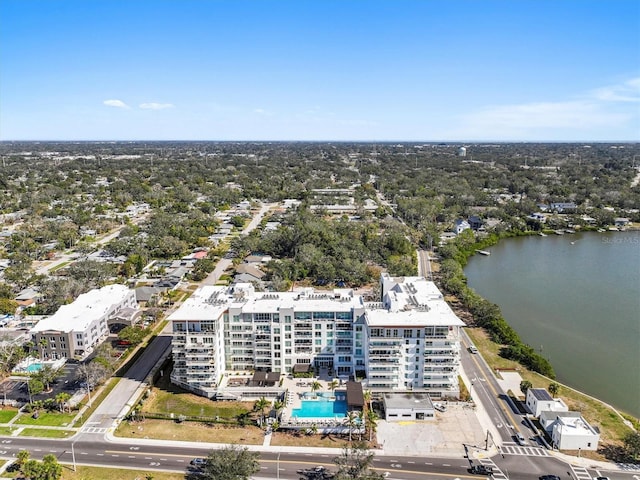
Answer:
(45, 433)
(6, 431)
(286, 439)
(167, 398)
(51, 419)
(190, 431)
(7, 415)
(612, 429)
(102, 473)
(91, 473)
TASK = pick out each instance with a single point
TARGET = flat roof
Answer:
(87, 308)
(408, 401)
(541, 394)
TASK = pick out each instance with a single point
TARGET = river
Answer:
(576, 299)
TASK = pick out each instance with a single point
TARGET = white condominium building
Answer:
(78, 327)
(408, 341)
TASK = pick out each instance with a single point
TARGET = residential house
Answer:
(570, 431)
(539, 400)
(460, 226)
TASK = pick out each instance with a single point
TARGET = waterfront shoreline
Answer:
(579, 314)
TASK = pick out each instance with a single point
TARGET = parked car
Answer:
(440, 407)
(601, 478)
(550, 477)
(481, 469)
(520, 439)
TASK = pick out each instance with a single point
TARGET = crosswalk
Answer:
(496, 472)
(528, 450)
(581, 473)
(94, 430)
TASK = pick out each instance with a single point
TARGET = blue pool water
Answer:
(34, 367)
(321, 409)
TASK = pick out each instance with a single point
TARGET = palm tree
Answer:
(315, 386)
(42, 343)
(350, 421)
(333, 384)
(261, 404)
(360, 418)
(278, 405)
(372, 420)
(525, 385)
(367, 399)
(554, 388)
(62, 398)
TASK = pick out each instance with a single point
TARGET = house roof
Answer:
(301, 367)
(250, 270)
(540, 394)
(355, 396)
(144, 294)
(408, 401)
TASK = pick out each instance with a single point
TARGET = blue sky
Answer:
(475, 70)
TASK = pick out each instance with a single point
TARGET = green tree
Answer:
(47, 374)
(554, 388)
(333, 384)
(231, 463)
(355, 463)
(632, 444)
(133, 335)
(21, 458)
(315, 386)
(8, 306)
(61, 399)
(260, 405)
(524, 386)
(34, 386)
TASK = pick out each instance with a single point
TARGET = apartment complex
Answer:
(407, 341)
(78, 327)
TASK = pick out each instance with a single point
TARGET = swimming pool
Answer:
(321, 409)
(33, 368)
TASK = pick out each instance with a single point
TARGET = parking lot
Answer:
(446, 435)
(15, 388)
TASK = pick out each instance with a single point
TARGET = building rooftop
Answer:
(541, 394)
(88, 307)
(408, 401)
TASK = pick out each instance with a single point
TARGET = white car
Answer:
(473, 349)
(440, 407)
(520, 439)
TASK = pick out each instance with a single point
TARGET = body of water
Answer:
(576, 299)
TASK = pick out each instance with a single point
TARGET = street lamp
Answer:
(73, 456)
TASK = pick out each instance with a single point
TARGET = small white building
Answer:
(460, 226)
(570, 431)
(408, 406)
(539, 400)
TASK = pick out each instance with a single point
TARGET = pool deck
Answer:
(295, 390)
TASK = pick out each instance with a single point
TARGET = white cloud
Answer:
(606, 111)
(155, 106)
(116, 103)
(261, 111)
(628, 91)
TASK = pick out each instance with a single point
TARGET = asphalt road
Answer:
(145, 458)
(113, 406)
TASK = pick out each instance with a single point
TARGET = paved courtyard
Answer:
(446, 435)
